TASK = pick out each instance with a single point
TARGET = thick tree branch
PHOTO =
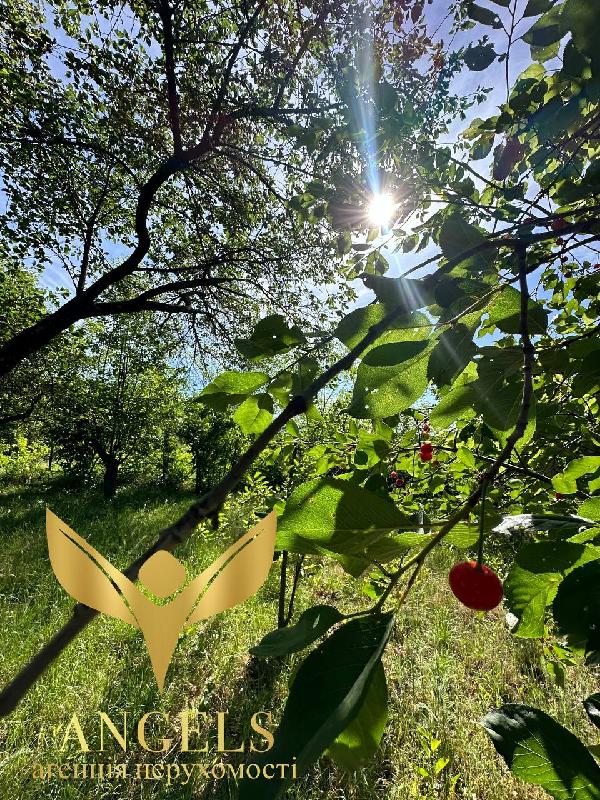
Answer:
(22, 415)
(32, 339)
(166, 17)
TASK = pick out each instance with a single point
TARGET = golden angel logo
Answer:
(92, 580)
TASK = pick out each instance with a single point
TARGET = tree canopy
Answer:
(235, 153)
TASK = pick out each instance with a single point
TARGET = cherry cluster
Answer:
(426, 449)
(397, 480)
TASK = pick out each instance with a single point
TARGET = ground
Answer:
(446, 666)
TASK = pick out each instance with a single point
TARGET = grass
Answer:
(445, 666)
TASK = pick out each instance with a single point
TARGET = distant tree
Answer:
(215, 442)
(123, 402)
(26, 394)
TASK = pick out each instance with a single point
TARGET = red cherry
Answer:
(427, 446)
(426, 428)
(596, 266)
(476, 587)
(558, 496)
(559, 224)
(399, 483)
(393, 474)
(426, 455)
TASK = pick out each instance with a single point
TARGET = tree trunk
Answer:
(198, 483)
(167, 457)
(111, 476)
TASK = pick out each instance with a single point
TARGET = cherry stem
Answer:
(481, 525)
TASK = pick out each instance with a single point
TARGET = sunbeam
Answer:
(381, 209)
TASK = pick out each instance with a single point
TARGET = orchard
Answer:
(311, 266)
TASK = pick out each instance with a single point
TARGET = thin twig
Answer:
(281, 619)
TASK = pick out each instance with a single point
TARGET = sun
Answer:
(381, 209)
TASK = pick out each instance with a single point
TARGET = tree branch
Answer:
(22, 415)
(166, 16)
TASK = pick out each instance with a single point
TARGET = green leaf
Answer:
(581, 18)
(281, 387)
(546, 30)
(500, 405)
(462, 536)
(355, 326)
(255, 413)
(355, 746)
(505, 312)
(394, 353)
(566, 482)
(587, 380)
(576, 607)
(393, 373)
(541, 752)
(479, 57)
(270, 336)
(230, 388)
(457, 402)
(465, 456)
(327, 694)
(483, 15)
(292, 428)
(371, 448)
(536, 7)
(381, 392)
(454, 350)
(406, 292)
(457, 236)
(590, 509)
(390, 547)
(535, 577)
(592, 708)
(335, 515)
(311, 625)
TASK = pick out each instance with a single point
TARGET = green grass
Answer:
(445, 665)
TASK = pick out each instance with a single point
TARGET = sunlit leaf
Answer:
(541, 752)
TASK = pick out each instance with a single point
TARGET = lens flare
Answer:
(381, 209)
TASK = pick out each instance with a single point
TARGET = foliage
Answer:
(491, 355)
(121, 406)
(542, 752)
